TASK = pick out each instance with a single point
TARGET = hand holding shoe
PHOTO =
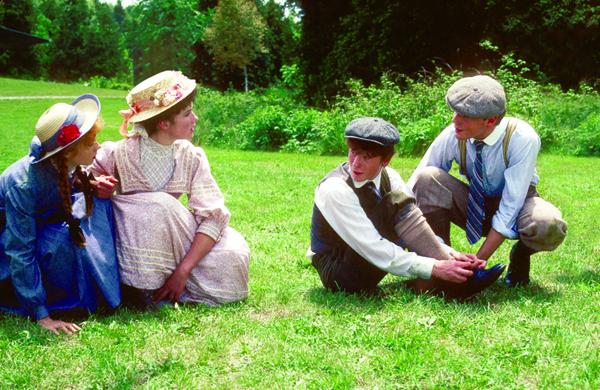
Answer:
(452, 270)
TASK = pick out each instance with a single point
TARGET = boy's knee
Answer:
(549, 233)
(427, 176)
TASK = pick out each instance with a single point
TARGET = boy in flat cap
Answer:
(363, 219)
(498, 156)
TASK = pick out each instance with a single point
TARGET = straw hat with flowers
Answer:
(155, 95)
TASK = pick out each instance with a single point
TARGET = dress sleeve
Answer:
(19, 245)
(105, 162)
(206, 199)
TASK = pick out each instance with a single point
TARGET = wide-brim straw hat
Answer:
(157, 94)
(64, 124)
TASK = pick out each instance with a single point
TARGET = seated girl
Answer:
(168, 251)
(57, 251)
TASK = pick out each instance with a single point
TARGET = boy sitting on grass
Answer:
(363, 220)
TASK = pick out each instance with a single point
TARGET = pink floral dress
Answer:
(155, 230)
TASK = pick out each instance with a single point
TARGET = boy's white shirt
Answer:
(341, 209)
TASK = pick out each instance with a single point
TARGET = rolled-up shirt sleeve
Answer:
(517, 177)
(206, 199)
(341, 209)
(19, 245)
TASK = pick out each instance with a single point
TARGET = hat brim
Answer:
(152, 112)
(90, 106)
(367, 140)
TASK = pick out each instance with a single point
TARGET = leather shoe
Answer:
(481, 279)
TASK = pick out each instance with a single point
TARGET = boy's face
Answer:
(364, 166)
(467, 127)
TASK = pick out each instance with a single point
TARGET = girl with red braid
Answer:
(57, 252)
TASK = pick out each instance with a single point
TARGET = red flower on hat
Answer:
(68, 134)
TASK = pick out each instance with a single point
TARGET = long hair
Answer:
(65, 186)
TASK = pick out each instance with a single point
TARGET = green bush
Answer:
(111, 83)
(330, 128)
(302, 128)
(275, 119)
(586, 137)
(219, 113)
(264, 129)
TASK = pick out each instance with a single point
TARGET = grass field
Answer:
(290, 333)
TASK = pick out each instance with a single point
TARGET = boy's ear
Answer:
(386, 161)
(492, 122)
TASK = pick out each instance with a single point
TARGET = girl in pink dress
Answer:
(165, 249)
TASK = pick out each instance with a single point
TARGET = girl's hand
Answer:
(173, 287)
(104, 186)
(55, 326)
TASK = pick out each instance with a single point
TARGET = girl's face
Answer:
(83, 152)
(182, 125)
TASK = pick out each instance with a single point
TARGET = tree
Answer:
(236, 35)
(119, 14)
(105, 50)
(362, 39)
(67, 48)
(161, 35)
(281, 40)
(18, 15)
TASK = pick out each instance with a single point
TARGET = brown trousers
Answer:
(443, 199)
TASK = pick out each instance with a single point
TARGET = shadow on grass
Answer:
(499, 294)
(399, 293)
(586, 276)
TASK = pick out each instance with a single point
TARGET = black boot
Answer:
(518, 269)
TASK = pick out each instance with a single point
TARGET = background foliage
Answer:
(319, 64)
(274, 119)
(363, 39)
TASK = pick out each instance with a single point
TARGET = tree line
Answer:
(90, 38)
(311, 44)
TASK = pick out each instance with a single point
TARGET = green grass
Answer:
(290, 333)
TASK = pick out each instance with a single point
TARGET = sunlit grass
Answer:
(291, 333)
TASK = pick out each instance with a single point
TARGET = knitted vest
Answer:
(323, 239)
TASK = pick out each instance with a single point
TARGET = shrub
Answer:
(111, 83)
(219, 113)
(586, 137)
(264, 129)
(302, 128)
(275, 119)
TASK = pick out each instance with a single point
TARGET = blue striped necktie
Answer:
(374, 191)
(476, 202)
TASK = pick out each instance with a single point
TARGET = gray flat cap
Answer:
(477, 97)
(375, 130)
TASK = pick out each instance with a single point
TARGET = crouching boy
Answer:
(363, 220)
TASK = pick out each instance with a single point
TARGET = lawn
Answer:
(290, 333)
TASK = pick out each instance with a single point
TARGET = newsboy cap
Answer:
(477, 97)
(375, 130)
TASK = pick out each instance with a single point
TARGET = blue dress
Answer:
(41, 268)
